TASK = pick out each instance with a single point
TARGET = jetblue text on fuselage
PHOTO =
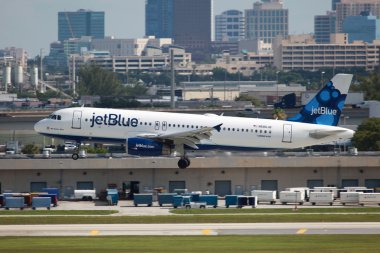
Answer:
(113, 120)
(323, 110)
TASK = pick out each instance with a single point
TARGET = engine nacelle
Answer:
(146, 147)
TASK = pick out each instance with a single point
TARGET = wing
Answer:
(189, 138)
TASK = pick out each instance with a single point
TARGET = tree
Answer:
(30, 149)
(279, 113)
(93, 80)
(367, 136)
(370, 86)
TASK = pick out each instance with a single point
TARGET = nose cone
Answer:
(38, 127)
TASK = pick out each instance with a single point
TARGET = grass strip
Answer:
(58, 212)
(20, 220)
(276, 210)
(204, 244)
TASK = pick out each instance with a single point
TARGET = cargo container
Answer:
(333, 189)
(368, 198)
(264, 196)
(291, 197)
(349, 198)
(211, 200)
(112, 197)
(321, 198)
(143, 199)
(165, 198)
(14, 202)
(52, 191)
(41, 202)
(305, 191)
(53, 197)
(85, 194)
(231, 200)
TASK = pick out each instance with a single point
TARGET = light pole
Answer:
(322, 73)
(278, 99)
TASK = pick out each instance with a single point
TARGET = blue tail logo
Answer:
(326, 107)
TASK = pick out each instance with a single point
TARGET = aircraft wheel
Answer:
(183, 163)
(75, 156)
(188, 161)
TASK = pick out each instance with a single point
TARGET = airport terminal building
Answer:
(219, 174)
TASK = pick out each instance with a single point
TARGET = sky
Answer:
(33, 24)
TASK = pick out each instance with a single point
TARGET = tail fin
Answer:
(326, 107)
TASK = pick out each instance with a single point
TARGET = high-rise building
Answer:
(266, 20)
(159, 18)
(364, 27)
(80, 23)
(324, 26)
(346, 8)
(333, 3)
(192, 27)
(229, 26)
(189, 23)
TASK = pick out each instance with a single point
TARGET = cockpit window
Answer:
(55, 117)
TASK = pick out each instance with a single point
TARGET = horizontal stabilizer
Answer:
(320, 134)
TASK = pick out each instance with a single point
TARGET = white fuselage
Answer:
(114, 125)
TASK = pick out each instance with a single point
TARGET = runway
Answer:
(191, 229)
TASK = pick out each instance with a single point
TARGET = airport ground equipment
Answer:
(369, 198)
(349, 198)
(165, 198)
(291, 197)
(321, 198)
(85, 194)
(143, 199)
(333, 189)
(211, 200)
(231, 200)
(179, 201)
(265, 196)
(199, 205)
(52, 191)
(112, 197)
(14, 202)
(53, 197)
(242, 201)
(304, 190)
(41, 202)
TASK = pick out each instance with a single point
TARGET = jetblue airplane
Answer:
(147, 133)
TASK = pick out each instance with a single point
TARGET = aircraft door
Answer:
(77, 117)
(157, 125)
(164, 125)
(287, 134)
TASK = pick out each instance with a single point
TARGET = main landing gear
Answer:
(183, 163)
(75, 155)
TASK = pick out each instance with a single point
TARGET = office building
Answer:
(324, 26)
(346, 8)
(266, 20)
(80, 23)
(128, 47)
(193, 26)
(159, 18)
(289, 55)
(334, 3)
(364, 27)
(229, 26)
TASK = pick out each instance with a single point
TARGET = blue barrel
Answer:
(231, 200)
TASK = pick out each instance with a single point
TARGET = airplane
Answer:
(147, 133)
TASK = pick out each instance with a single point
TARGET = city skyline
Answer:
(32, 25)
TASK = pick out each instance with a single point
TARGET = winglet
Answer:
(218, 127)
